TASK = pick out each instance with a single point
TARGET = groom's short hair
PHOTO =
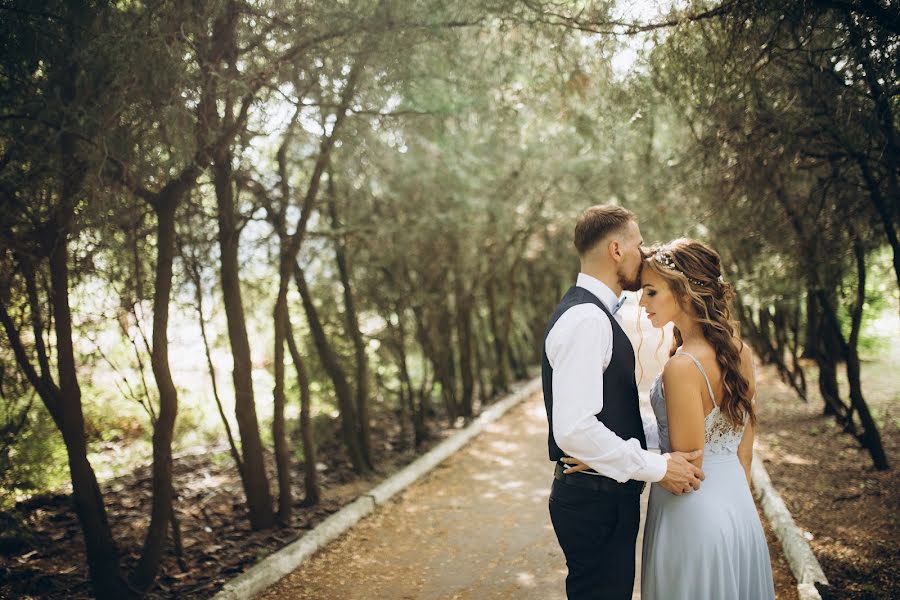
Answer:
(597, 222)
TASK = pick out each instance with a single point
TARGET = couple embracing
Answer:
(703, 538)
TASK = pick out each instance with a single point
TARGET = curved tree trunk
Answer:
(282, 453)
(102, 555)
(466, 348)
(501, 377)
(164, 426)
(359, 345)
(332, 365)
(307, 436)
(256, 482)
(871, 438)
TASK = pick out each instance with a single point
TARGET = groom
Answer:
(591, 399)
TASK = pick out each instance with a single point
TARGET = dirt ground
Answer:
(42, 547)
(849, 510)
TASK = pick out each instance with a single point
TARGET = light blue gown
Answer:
(709, 543)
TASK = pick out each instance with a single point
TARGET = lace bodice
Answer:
(720, 436)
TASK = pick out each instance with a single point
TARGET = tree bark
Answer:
(102, 555)
(501, 377)
(466, 347)
(359, 345)
(282, 453)
(332, 365)
(164, 426)
(256, 483)
(307, 435)
(194, 274)
(871, 437)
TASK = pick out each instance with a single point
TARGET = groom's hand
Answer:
(681, 475)
(577, 465)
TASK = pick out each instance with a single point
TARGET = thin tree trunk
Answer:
(871, 437)
(102, 555)
(466, 348)
(164, 426)
(256, 488)
(359, 345)
(307, 436)
(332, 365)
(501, 375)
(416, 397)
(485, 374)
(282, 454)
(437, 356)
(796, 367)
(194, 273)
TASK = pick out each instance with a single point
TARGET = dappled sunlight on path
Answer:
(475, 527)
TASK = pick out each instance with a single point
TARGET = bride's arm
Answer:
(682, 383)
(745, 450)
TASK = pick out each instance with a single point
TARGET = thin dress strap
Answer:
(703, 372)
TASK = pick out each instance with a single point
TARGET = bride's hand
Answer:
(577, 465)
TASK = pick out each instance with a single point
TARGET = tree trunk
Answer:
(501, 377)
(194, 273)
(307, 436)
(282, 453)
(796, 367)
(466, 348)
(102, 555)
(256, 484)
(335, 371)
(164, 426)
(415, 397)
(359, 345)
(437, 355)
(871, 438)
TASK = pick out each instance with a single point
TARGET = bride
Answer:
(707, 544)
(710, 543)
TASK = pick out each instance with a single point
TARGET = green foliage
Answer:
(34, 461)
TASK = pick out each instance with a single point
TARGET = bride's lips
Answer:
(650, 315)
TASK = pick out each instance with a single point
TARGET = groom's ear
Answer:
(614, 249)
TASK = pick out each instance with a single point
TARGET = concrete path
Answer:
(476, 527)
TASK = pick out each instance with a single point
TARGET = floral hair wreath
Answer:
(665, 259)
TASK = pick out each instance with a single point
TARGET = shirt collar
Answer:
(599, 289)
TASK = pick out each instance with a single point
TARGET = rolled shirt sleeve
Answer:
(579, 347)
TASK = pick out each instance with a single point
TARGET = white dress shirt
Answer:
(579, 348)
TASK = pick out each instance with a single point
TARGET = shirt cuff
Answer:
(654, 469)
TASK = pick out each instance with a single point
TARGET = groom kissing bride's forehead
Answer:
(599, 440)
(600, 222)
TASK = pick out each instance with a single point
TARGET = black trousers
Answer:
(597, 531)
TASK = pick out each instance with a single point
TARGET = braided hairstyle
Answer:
(693, 272)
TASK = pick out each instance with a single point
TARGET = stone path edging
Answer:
(281, 562)
(800, 557)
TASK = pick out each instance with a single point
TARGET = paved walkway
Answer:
(477, 527)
